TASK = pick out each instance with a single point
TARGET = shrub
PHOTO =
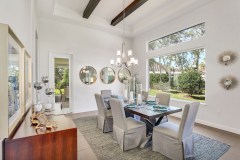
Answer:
(155, 78)
(191, 82)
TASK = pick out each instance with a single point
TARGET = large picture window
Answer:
(185, 35)
(181, 74)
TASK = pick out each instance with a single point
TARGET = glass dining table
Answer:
(151, 112)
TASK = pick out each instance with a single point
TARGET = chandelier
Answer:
(124, 59)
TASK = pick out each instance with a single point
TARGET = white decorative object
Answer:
(38, 86)
(139, 99)
(125, 94)
(229, 82)
(131, 95)
(38, 107)
(227, 57)
(131, 100)
(49, 92)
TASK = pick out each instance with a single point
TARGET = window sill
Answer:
(184, 101)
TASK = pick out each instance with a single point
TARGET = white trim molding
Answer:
(217, 126)
(62, 54)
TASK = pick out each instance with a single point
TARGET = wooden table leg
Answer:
(148, 140)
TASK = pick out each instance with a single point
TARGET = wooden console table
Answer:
(26, 144)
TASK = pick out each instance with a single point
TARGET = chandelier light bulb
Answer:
(118, 53)
(136, 61)
(118, 60)
(130, 53)
(132, 60)
(111, 61)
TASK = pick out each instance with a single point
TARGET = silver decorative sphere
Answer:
(38, 85)
(49, 91)
(45, 79)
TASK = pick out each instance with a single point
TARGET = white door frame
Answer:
(52, 56)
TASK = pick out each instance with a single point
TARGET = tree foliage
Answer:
(191, 82)
(61, 78)
(157, 78)
(178, 37)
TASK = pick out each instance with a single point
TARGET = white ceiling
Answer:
(150, 14)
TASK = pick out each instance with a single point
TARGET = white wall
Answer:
(88, 47)
(222, 33)
(21, 16)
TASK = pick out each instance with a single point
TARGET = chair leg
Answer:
(104, 126)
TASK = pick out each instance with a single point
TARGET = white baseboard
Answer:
(82, 110)
(1, 149)
(218, 126)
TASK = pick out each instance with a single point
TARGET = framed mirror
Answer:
(123, 74)
(88, 75)
(107, 75)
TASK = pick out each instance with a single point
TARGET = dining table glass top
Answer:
(150, 111)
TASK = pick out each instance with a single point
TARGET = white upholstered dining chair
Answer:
(164, 99)
(173, 141)
(106, 93)
(105, 120)
(128, 132)
(144, 95)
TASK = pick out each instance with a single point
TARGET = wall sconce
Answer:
(227, 57)
(229, 82)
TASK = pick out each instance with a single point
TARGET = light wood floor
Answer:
(86, 153)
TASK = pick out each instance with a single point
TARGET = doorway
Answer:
(60, 79)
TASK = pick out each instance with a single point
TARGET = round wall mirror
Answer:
(123, 74)
(88, 75)
(107, 75)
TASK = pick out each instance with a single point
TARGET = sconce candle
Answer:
(139, 99)
(125, 94)
(229, 82)
(131, 97)
(226, 58)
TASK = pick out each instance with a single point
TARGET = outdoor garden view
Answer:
(180, 74)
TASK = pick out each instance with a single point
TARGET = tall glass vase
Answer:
(125, 90)
(132, 85)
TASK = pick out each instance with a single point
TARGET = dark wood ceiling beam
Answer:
(128, 10)
(90, 8)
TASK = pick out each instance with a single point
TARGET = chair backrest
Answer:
(106, 93)
(118, 113)
(100, 105)
(145, 95)
(188, 119)
(164, 98)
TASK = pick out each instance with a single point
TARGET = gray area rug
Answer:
(105, 149)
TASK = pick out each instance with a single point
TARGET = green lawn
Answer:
(179, 95)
